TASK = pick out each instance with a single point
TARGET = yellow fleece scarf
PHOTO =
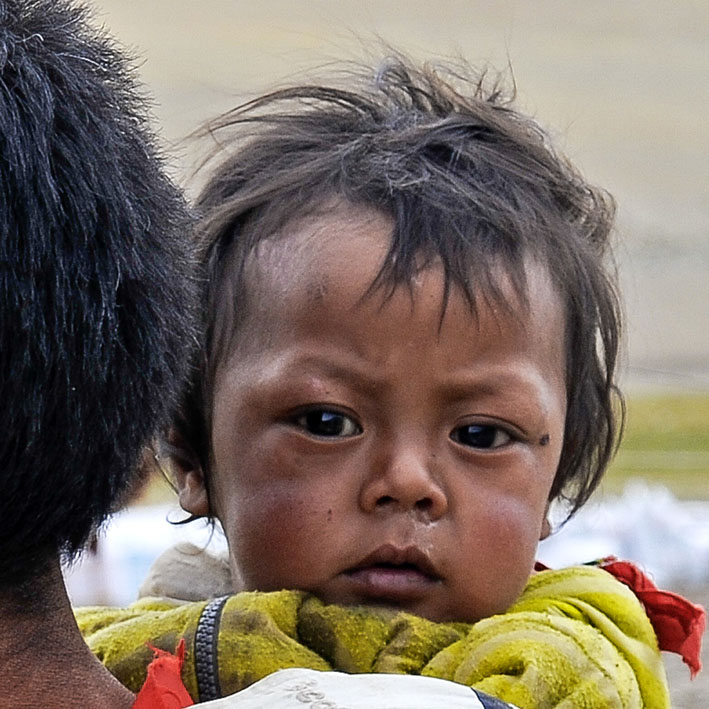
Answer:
(576, 638)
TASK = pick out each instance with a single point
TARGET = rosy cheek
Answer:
(273, 541)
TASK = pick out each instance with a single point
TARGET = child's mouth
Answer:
(393, 574)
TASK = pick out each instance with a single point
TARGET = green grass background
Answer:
(666, 442)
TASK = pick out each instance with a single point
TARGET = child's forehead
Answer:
(314, 284)
(314, 250)
(348, 248)
(314, 316)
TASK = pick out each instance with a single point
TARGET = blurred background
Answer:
(623, 89)
(621, 86)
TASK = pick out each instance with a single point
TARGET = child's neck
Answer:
(44, 660)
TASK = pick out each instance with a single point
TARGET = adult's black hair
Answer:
(468, 182)
(96, 282)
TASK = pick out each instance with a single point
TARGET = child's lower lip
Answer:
(390, 582)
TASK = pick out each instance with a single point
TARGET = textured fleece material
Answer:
(575, 638)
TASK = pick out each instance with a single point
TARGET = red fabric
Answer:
(163, 688)
(678, 624)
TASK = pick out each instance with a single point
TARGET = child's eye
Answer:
(477, 435)
(327, 423)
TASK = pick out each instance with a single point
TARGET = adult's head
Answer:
(96, 282)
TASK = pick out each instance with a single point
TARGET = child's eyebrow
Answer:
(309, 365)
(478, 382)
(528, 392)
(487, 384)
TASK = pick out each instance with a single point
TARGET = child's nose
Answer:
(404, 481)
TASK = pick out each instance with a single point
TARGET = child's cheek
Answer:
(278, 538)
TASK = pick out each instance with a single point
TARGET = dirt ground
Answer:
(686, 693)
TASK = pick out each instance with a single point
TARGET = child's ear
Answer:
(546, 525)
(188, 476)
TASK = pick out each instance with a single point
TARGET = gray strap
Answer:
(206, 643)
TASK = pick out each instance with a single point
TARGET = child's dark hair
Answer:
(97, 283)
(466, 180)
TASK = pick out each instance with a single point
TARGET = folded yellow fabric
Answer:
(575, 638)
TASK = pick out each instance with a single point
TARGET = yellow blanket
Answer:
(575, 638)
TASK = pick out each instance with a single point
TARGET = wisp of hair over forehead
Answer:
(467, 181)
(97, 283)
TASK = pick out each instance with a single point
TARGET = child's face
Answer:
(371, 453)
